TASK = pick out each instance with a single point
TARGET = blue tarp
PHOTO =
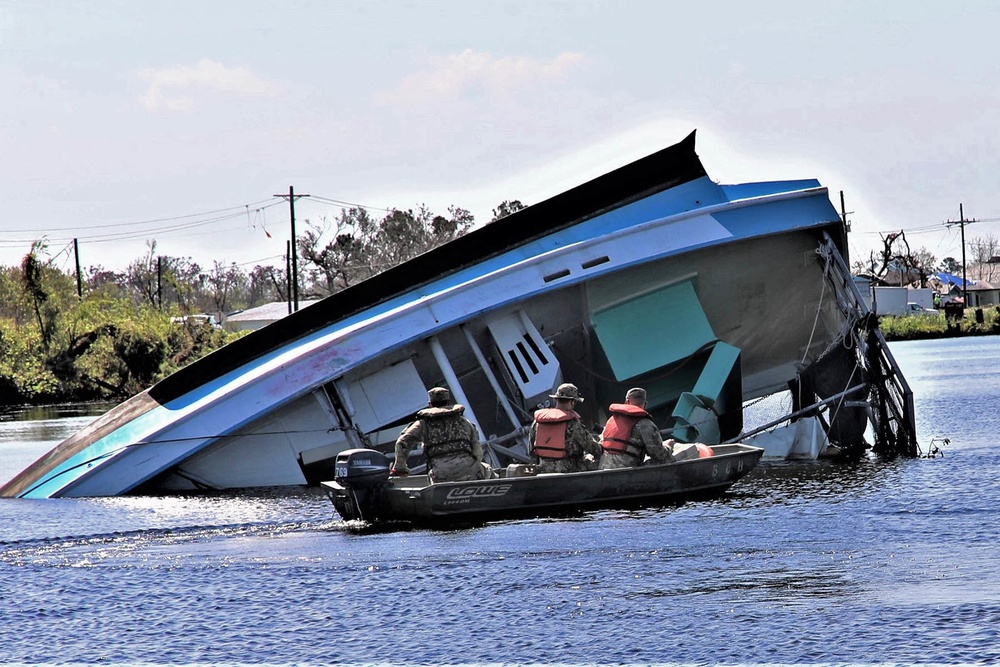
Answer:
(949, 279)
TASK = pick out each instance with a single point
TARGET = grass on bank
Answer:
(917, 327)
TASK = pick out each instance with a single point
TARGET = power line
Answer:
(136, 234)
(936, 227)
(139, 222)
(341, 203)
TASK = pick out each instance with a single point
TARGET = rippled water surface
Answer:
(809, 562)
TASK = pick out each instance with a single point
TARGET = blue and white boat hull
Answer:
(736, 264)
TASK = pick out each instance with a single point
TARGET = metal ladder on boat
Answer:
(890, 399)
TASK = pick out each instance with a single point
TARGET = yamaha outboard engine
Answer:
(359, 476)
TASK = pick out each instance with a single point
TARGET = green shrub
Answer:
(914, 327)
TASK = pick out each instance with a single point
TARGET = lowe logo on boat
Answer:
(470, 491)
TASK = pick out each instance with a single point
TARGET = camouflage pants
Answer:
(581, 464)
(458, 468)
(614, 461)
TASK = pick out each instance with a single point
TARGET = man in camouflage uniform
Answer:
(559, 441)
(451, 442)
(630, 435)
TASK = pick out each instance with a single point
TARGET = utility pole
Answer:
(962, 222)
(288, 275)
(79, 281)
(843, 213)
(295, 254)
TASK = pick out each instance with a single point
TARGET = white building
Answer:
(255, 318)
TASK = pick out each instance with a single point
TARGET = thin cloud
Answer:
(172, 88)
(469, 73)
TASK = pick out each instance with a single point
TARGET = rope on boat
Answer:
(819, 305)
(793, 415)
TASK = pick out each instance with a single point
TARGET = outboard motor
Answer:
(359, 477)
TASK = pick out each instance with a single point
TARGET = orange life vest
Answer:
(616, 437)
(550, 432)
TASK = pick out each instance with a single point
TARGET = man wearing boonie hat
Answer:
(451, 442)
(630, 435)
(559, 441)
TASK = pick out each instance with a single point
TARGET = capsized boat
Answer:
(363, 491)
(710, 296)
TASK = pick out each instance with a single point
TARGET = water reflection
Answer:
(48, 412)
(773, 484)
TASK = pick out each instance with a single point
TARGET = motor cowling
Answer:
(361, 474)
(361, 468)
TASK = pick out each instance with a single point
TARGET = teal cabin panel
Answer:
(652, 330)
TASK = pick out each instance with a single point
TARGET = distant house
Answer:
(255, 318)
(982, 293)
(950, 286)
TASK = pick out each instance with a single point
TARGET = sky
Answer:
(122, 123)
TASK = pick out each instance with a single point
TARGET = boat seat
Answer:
(695, 415)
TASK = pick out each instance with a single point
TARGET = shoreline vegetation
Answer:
(96, 335)
(976, 322)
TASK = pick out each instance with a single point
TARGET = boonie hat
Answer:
(568, 391)
(438, 395)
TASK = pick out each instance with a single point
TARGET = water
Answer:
(798, 563)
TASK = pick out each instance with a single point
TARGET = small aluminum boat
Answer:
(363, 491)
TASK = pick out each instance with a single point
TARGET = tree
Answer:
(142, 276)
(266, 284)
(345, 259)
(506, 208)
(984, 249)
(32, 273)
(99, 278)
(951, 265)
(363, 246)
(921, 261)
(223, 283)
(184, 283)
(896, 255)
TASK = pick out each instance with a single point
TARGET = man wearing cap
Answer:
(451, 442)
(630, 435)
(559, 440)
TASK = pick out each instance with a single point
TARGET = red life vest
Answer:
(550, 432)
(616, 437)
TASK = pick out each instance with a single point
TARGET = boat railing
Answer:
(892, 401)
(811, 409)
(497, 444)
(890, 397)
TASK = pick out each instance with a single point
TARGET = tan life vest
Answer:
(550, 432)
(445, 432)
